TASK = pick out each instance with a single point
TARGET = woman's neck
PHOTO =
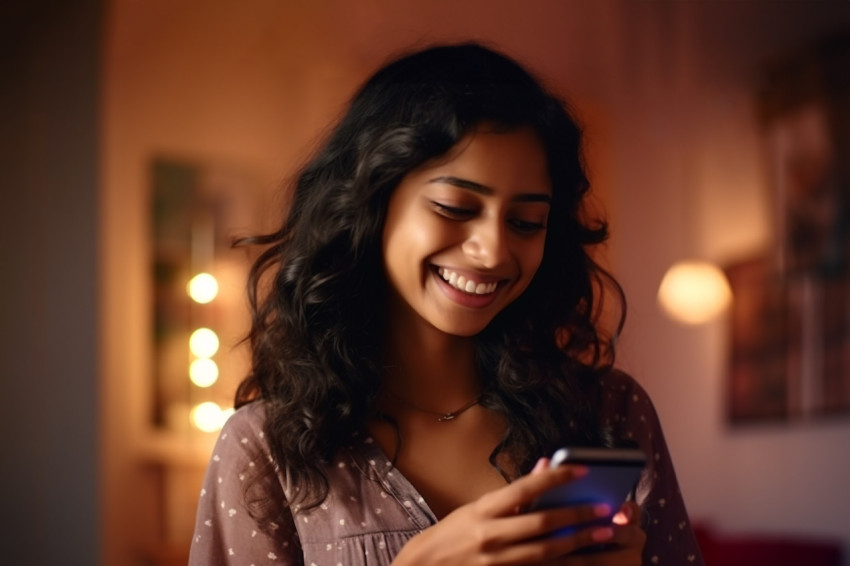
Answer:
(431, 368)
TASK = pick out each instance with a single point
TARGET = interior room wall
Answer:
(692, 180)
(673, 83)
(49, 379)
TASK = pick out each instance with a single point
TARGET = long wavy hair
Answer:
(317, 290)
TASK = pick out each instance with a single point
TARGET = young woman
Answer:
(425, 333)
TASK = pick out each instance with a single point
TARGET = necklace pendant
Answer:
(447, 417)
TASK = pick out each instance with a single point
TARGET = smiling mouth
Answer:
(465, 285)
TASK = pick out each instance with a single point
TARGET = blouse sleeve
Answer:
(630, 414)
(225, 531)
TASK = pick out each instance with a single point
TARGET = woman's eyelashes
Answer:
(527, 227)
(519, 225)
(453, 212)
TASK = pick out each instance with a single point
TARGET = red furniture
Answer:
(723, 549)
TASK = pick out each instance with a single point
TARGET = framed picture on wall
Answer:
(790, 323)
(759, 373)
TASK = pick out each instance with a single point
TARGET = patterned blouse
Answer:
(372, 510)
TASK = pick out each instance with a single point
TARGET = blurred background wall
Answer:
(92, 94)
(50, 94)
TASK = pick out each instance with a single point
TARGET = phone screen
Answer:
(613, 474)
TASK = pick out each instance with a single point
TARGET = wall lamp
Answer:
(694, 292)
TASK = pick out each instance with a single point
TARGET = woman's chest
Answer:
(448, 463)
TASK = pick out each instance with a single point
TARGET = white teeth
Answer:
(461, 283)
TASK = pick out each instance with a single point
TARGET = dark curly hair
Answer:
(317, 290)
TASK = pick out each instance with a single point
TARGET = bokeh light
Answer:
(209, 417)
(203, 343)
(203, 288)
(203, 372)
(694, 292)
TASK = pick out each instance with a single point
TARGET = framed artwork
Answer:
(790, 323)
(759, 373)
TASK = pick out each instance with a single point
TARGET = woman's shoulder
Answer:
(626, 406)
(618, 385)
(250, 417)
(244, 431)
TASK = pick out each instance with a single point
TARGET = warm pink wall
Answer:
(666, 87)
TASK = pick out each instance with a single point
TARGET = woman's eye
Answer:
(527, 227)
(453, 212)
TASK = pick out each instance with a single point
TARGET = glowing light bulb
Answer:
(203, 288)
(203, 343)
(694, 292)
(203, 372)
(208, 416)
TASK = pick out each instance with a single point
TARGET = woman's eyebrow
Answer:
(487, 191)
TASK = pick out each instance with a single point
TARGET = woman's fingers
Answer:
(554, 549)
(522, 492)
(493, 530)
(622, 545)
(542, 464)
(628, 532)
(538, 525)
(629, 536)
(606, 545)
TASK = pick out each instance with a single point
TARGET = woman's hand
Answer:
(493, 530)
(623, 548)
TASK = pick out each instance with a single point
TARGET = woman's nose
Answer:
(486, 243)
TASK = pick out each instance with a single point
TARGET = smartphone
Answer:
(613, 474)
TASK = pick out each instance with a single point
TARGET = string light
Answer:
(202, 288)
(203, 343)
(207, 416)
(203, 372)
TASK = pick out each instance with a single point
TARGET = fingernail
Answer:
(624, 515)
(603, 534)
(602, 510)
(541, 464)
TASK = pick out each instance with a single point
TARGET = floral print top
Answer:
(372, 510)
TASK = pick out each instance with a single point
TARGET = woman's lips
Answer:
(454, 285)
(466, 284)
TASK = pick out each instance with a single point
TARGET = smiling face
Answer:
(464, 234)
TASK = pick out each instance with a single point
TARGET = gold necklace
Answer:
(441, 417)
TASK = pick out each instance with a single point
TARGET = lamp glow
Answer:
(203, 288)
(208, 416)
(203, 343)
(203, 372)
(694, 292)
